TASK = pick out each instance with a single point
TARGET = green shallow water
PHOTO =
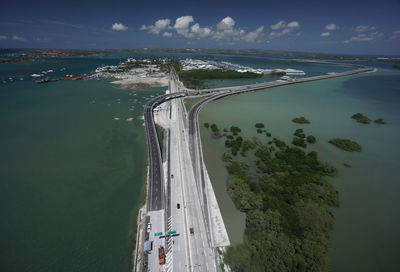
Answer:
(366, 236)
(72, 177)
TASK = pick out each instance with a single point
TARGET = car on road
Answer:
(191, 231)
(148, 227)
(178, 206)
(172, 176)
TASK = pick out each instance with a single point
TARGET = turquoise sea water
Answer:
(366, 236)
(71, 177)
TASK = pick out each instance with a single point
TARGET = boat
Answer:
(37, 75)
(46, 80)
(72, 77)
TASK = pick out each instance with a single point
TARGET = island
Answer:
(346, 144)
(137, 74)
(300, 120)
(360, 118)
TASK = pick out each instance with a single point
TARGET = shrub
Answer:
(346, 144)
(311, 139)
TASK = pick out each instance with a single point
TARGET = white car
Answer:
(148, 227)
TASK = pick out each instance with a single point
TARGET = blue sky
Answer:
(343, 27)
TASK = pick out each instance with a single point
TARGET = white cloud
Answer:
(119, 27)
(364, 28)
(201, 32)
(18, 38)
(331, 27)
(158, 26)
(284, 28)
(2, 37)
(279, 25)
(252, 36)
(226, 24)
(325, 34)
(364, 33)
(224, 30)
(293, 24)
(364, 37)
(182, 26)
(395, 34)
(280, 33)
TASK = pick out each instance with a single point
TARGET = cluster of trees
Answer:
(300, 138)
(300, 120)
(361, 118)
(287, 200)
(346, 144)
(380, 121)
(215, 130)
(195, 78)
(176, 64)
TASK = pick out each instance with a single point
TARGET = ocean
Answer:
(71, 176)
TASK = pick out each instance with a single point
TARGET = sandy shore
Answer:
(141, 83)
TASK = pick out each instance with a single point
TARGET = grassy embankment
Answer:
(190, 102)
(287, 200)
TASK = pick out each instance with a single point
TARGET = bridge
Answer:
(180, 209)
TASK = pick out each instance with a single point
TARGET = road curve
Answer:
(155, 196)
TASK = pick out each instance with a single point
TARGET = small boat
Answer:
(37, 75)
(46, 80)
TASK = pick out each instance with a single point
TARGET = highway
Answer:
(185, 161)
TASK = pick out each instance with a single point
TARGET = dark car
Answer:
(178, 206)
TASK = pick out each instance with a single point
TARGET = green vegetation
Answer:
(346, 144)
(287, 200)
(206, 125)
(380, 121)
(268, 134)
(300, 120)
(215, 130)
(259, 130)
(299, 133)
(190, 102)
(14, 60)
(259, 125)
(235, 130)
(359, 117)
(195, 78)
(299, 142)
(176, 64)
(311, 139)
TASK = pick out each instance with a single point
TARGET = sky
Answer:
(334, 26)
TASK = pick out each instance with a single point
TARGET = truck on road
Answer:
(161, 255)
